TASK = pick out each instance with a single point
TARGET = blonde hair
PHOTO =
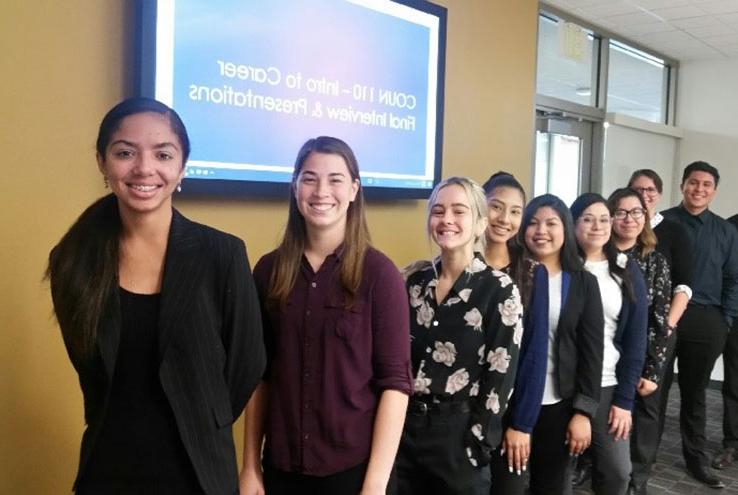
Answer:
(477, 202)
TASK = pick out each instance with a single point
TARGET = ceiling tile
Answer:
(731, 19)
(660, 4)
(720, 7)
(640, 29)
(696, 22)
(682, 12)
(708, 31)
(588, 3)
(667, 37)
(631, 19)
(611, 8)
(723, 39)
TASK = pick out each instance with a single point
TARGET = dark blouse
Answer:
(328, 364)
(139, 449)
(466, 348)
(657, 275)
(674, 244)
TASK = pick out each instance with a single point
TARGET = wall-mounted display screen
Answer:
(254, 79)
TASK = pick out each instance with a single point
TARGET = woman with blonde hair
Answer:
(466, 328)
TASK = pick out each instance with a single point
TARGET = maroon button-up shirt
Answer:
(328, 365)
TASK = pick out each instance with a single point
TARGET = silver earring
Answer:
(179, 187)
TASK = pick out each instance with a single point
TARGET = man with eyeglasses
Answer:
(704, 328)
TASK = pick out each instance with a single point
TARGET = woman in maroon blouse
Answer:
(331, 403)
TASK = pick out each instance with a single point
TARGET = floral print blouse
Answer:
(466, 348)
(657, 275)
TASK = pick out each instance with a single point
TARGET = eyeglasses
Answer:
(635, 214)
(646, 190)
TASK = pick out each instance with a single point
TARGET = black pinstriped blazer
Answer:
(210, 347)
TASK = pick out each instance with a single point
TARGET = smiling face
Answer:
(143, 163)
(323, 191)
(698, 190)
(648, 191)
(505, 212)
(592, 228)
(452, 224)
(544, 235)
(627, 229)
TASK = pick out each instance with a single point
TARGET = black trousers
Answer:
(431, 459)
(730, 389)
(348, 482)
(700, 340)
(649, 414)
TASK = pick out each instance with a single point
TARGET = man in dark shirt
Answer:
(705, 325)
(730, 393)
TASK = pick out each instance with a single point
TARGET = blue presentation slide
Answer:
(253, 80)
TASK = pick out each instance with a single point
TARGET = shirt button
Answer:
(435, 323)
(314, 285)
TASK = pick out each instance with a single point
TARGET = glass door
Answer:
(563, 156)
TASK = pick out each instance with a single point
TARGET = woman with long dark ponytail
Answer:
(160, 319)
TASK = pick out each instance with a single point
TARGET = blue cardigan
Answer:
(525, 403)
(631, 340)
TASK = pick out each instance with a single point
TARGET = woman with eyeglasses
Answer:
(633, 236)
(624, 306)
(673, 243)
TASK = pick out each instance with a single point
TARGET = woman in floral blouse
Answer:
(632, 234)
(466, 328)
(506, 202)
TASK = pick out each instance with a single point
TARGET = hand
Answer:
(620, 421)
(251, 482)
(646, 387)
(578, 434)
(517, 446)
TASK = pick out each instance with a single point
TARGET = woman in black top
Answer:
(160, 319)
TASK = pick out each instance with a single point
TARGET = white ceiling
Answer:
(680, 29)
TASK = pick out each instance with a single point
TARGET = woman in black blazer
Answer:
(160, 319)
(575, 346)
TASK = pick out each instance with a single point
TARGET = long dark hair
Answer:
(355, 244)
(580, 204)
(83, 266)
(570, 260)
(518, 266)
(646, 240)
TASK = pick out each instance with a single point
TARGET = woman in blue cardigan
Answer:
(560, 415)
(624, 303)
(506, 202)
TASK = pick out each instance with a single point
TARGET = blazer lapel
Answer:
(109, 339)
(183, 268)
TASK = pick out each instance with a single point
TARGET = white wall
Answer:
(628, 148)
(707, 111)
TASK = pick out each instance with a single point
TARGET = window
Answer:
(637, 83)
(566, 76)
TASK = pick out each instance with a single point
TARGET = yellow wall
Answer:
(63, 64)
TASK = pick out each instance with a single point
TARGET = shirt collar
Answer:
(657, 218)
